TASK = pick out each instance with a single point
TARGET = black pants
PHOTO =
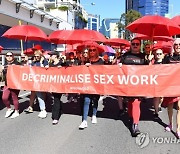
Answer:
(57, 106)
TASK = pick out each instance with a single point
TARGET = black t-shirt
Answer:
(15, 62)
(55, 65)
(133, 59)
(172, 59)
(74, 62)
(98, 62)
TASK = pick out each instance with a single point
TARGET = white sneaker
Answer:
(15, 114)
(9, 112)
(83, 125)
(94, 120)
(29, 110)
(55, 122)
(42, 114)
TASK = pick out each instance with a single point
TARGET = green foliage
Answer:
(126, 19)
(63, 8)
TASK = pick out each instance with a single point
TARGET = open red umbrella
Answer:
(117, 42)
(154, 26)
(76, 36)
(155, 38)
(25, 32)
(87, 44)
(165, 46)
(176, 19)
(60, 36)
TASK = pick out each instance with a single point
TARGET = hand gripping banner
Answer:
(151, 80)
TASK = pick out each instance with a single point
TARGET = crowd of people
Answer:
(91, 56)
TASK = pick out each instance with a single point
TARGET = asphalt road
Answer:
(32, 135)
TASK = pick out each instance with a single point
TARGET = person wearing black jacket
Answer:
(57, 103)
(9, 93)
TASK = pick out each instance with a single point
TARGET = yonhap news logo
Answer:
(143, 140)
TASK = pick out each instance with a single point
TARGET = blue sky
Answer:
(114, 8)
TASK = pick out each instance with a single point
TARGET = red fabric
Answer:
(176, 19)
(156, 80)
(88, 44)
(25, 32)
(170, 100)
(134, 110)
(1, 48)
(165, 46)
(117, 42)
(76, 36)
(154, 26)
(155, 38)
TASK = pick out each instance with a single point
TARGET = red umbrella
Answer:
(28, 51)
(87, 44)
(1, 48)
(155, 38)
(154, 26)
(176, 19)
(25, 32)
(165, 46)
(76, 36)
(117, 42)
(60, 36)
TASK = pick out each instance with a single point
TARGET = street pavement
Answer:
(28, 134)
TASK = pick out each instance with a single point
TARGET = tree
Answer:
(126, 19)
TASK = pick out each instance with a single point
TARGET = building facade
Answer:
(70, 10)
(93, 22)
(149, 7)
(109, 27)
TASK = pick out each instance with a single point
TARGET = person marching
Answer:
(158, 59)
(94, 59)
(9, 93)
(57, 103)
(134, 57)
(40, 61)
(169, 101)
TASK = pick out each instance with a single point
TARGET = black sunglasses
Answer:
(177, 44)
(135, 44)
(9, 55)
(90, 50)
(159, 53)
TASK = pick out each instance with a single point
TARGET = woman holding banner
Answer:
(10, 93)
(134, 57)
(40, 61)
(57, 103)
(169, 101)
(157, 101)
(94, 59)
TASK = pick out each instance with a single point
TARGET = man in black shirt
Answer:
(134, 57)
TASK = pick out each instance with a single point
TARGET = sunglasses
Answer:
(159, 53)
(177, 44)
(9, 55)
(135, 44)
(37, 56)
(90, 50)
